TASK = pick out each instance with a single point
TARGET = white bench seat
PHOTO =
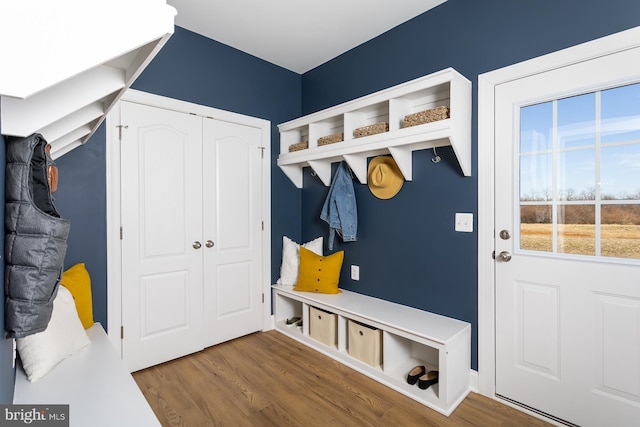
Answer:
(96, 385)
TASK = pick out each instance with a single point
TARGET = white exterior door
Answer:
(567, 213)
(161, 192)
(232, 221)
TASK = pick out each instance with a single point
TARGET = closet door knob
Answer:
(197, 245)
(209, 244)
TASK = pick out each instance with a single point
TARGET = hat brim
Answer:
(393, 181)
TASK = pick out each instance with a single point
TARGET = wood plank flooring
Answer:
(268, 379)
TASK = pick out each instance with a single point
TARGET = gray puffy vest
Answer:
(35, 239)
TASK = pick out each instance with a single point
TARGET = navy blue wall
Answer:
(81, 199)
(407, 249)
(199, 70)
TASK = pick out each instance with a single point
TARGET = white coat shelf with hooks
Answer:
(390, 110)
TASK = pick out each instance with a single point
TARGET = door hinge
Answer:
(120, 131)
(121, 332)
(262, 151)
(121, 233)
(262, 225)
(263, 297)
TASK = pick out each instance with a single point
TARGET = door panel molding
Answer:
(540, 352)
(487, 83)
(113, 195)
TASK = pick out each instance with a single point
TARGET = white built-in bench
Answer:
(410, 337)
(96, 385)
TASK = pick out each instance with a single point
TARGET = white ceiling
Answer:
(295, 34)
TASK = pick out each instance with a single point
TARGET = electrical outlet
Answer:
(355, 272)
(464, 222)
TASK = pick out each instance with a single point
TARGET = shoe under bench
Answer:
(410, 337)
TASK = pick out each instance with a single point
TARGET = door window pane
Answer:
(576, 121)
(580, 181)
(621, 114)
(576, 175)
(536, 177)
(620, 231)
(536, 124)
(620, 172)
(536, 228)
(576, 229)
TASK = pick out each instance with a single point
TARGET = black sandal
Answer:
(415, 373)
(427, 380)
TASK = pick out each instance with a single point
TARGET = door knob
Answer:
(197, 245)
(504, 256)
(208, 244)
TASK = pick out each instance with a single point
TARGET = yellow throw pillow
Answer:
(78, 281)
(319, 273)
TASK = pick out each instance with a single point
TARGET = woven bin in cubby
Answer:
(371, 130)
(299, 146)
(330, 139)
(426, 116)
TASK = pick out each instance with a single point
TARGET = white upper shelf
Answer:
(66, 63)
(445, 88)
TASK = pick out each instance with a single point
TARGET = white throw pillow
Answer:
(64, 336)
(291, 259)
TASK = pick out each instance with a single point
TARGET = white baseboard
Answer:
(473, 381)
(271, 324)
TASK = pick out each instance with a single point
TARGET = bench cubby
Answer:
(364, 343)
(323, 326)
(409, 337)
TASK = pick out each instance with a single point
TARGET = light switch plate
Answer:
(464, 222)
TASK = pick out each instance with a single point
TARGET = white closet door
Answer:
(232, 230)
(161, 219)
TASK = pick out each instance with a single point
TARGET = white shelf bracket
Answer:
(358, 165)
(461, 135)
(322, 169)
(294, 173)
(463, 153)
(404, 158)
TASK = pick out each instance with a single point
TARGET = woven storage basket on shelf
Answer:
(427, 116)
(330, 139)
(371, 129)
(299, 146)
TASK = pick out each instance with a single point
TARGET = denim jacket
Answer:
(339, 209)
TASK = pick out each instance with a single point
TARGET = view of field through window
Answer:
(580, 174)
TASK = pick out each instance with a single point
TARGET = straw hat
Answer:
(384, 177)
